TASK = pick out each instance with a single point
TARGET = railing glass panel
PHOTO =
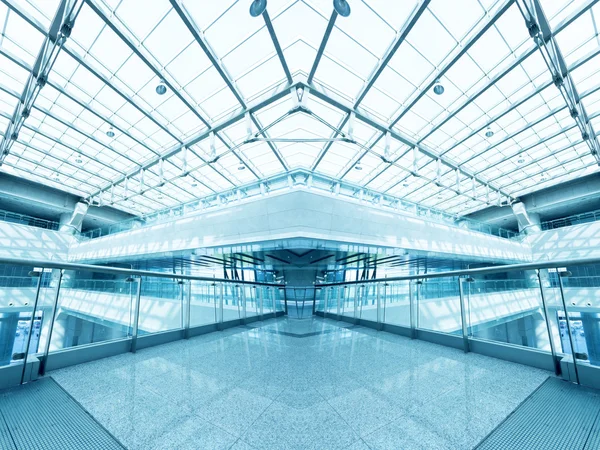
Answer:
(510, 311)
(438, 305)
(395, 302)
(26, 309)
(203, 302)
(581, 294)
(91, 311)
(161, 305)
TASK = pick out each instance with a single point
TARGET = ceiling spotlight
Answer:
(543, 178)
(258, 7)
(161, 88)
(438, 88)
(405, 184)
(521, 160)
(241, 167)
(111, 132)
(489, 133)
(79, 160)
(358, 167)
(160, 197)
(341, 7)
(194, 184)
(439, 196)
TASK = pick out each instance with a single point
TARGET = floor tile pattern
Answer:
(264, 387)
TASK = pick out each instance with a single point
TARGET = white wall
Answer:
(23, 241)
(300, 214)
(577, 241)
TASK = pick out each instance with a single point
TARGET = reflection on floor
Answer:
(305, 384)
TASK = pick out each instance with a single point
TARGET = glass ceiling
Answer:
(144, 105)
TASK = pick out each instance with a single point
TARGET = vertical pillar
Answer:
(411, 310)
(356, 296)
(188, 310)
(243, 297)
(261, 296)
(463, 316)
(35, 303)
(569, 329)
(136, 316)
(51, 325)
(221, 303)
(548, 327)
(378, 297)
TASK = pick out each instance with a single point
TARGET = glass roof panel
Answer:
(101, 116)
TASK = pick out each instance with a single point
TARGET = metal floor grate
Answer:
(41, 415)
(558, 415)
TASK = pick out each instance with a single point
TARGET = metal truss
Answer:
(59, 31)
(540, 32)
(560, 27)
(57, 35)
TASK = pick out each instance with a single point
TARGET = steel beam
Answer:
(321, 49)
(580, 62)
(214, 60)
(157, 72)
(383, 63)
(60, 31)
(280, 54)
(374, 123)
(534, 16)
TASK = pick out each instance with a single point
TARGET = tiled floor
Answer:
(310, 384)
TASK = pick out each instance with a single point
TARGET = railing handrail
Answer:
(122, 271)
(478, 271)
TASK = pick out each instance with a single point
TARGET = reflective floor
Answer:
(305, 384)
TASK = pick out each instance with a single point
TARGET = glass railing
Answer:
(300, 179)
(553, 308)
(23, 219)
(576, 219)
(64, 306)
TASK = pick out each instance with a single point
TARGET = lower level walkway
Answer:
(305, 384)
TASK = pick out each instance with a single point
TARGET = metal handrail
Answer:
(120, 271)
(478, 271)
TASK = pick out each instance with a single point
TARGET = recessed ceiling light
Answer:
(405, 183)
(341, 7)
(111, 132)
(521, 160)
(358, 167)
(160, 197)
(161, 88)
(241, 167)
(489, 133)
(78, 160)
(258, 7)
(439, 196)
(438, 88)
(194, 184)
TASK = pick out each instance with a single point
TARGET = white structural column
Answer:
(528, 222)
(72, 222)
